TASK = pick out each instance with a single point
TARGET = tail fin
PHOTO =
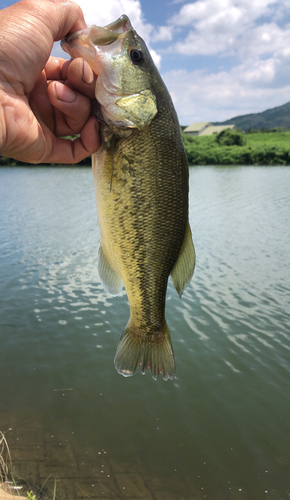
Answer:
(135, 351)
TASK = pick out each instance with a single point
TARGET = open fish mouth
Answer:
(98, 35)
(116, 53)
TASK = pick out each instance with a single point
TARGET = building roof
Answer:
(196, 127)
(216, 129)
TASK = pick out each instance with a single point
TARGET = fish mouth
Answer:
(97, 35)
(121, 25)
(101, 48)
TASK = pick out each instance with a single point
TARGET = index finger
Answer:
(76, 73)
(56, 68)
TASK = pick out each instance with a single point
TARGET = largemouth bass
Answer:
(141, 182)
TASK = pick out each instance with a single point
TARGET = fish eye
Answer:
(136, 56)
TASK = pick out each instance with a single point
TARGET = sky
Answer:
(218, 58)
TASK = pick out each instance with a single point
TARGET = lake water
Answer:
(221, 428)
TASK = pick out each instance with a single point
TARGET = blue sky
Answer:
(218, 58)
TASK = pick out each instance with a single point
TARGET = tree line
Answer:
(231, 147)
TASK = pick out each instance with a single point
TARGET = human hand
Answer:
(43, 98)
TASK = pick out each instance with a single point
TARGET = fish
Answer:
(141, 183)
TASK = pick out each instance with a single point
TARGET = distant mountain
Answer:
(271, 118)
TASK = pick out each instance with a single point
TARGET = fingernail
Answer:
(64, 93)
(88, 75)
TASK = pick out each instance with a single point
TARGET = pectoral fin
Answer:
(141, 108)
(109, 278)
(183, 270)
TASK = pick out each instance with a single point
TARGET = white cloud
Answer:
(256, 36)
(218, 26)
(162, 34)
(248, 43)
(216, 13)
(200, 96)
(102, 13)
(265, 39)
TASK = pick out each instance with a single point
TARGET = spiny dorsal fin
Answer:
(109, 278)
(184, 266)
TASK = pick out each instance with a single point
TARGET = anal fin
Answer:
(109, 278)
(184, 266)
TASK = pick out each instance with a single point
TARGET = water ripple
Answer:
(230, 330)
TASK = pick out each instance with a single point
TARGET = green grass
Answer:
(6, 476)
(282, 138)
(5, 459)
(272, 148)
(259, 148)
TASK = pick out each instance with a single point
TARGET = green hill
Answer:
(269, 119)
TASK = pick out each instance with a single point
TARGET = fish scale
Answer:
(141, 182)
(156, 241)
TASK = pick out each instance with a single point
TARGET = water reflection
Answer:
(221, 428)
